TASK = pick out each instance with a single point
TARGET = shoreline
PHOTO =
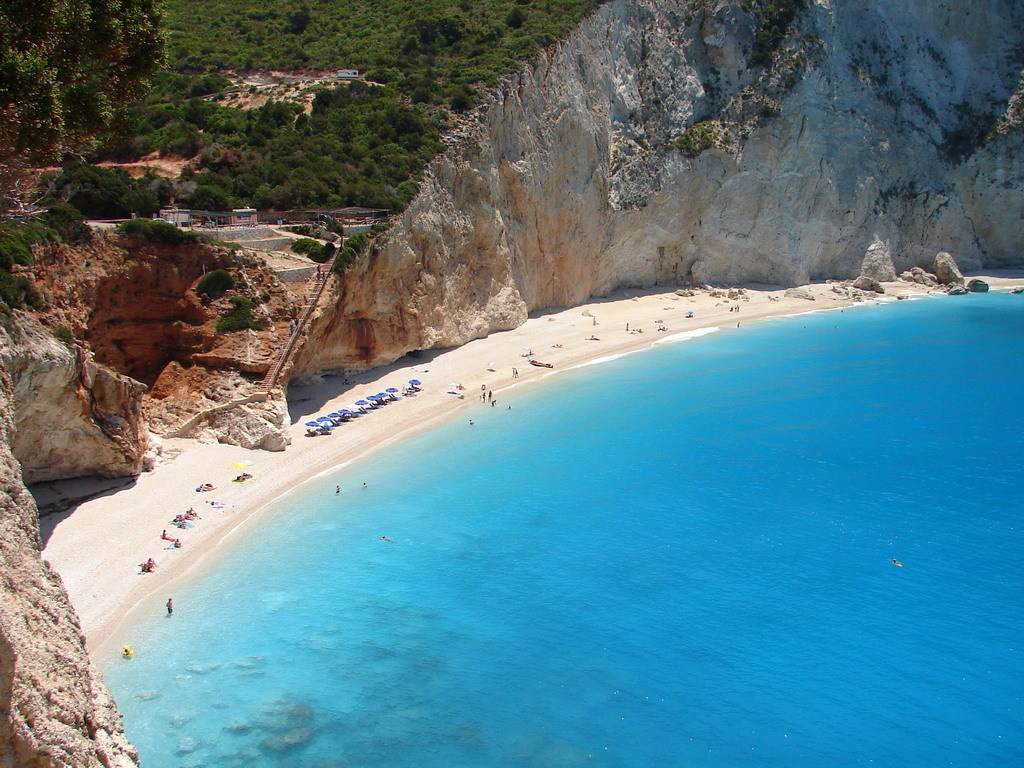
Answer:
(97, 545)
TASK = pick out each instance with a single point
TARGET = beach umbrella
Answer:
(312, 423)
(361, 402)
(414, 382)
(345, 412)
(391, 389)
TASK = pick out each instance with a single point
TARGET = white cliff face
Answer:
(72, 417)
(54, 709)
(866, 138)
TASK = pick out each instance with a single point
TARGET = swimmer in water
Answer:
(897, 563)
(385, 538)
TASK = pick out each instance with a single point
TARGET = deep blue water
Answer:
(678, 558)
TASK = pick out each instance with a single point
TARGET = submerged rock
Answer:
(288, 740)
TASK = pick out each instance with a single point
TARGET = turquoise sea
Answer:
(682, 557)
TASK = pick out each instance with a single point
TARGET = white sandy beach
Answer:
(98, 545)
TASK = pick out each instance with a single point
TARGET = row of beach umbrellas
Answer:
(371, 401)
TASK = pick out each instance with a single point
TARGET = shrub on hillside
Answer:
(16, 241)
(305, 245)
(240, 317)
(215, 284)
(323, 254)
(156, 231)
(64, 335)
(67, 221)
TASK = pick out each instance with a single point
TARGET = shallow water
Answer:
(678, 558)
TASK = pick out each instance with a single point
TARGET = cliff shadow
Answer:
(57, 500)
(308, 400)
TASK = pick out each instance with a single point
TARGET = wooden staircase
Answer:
(270, 379)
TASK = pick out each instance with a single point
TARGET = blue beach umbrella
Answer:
(361, 402)
(414, 382)
(391, 389)
(312, 423)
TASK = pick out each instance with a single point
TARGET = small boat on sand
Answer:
(539, 364)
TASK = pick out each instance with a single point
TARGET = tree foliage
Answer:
(67, 66)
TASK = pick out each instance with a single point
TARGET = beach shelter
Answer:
(391, 389)
(414, 382)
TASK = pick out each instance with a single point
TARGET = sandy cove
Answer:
(97, 544)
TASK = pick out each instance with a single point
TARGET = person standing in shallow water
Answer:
(170, 606)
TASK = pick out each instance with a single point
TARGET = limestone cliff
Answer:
(73, 417)
(659, 144)
(54, 711)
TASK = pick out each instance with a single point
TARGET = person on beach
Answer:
(148, 567)
(515, 373)
(170, 606)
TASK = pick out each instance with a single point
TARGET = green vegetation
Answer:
(215, 284)
(358, 143)
(16, 241)
(427, 49)
(777, 17)
(352, 247)
(240, 317)
(64, 335)
(702, 136)
(67, 67)
(305, 245)
(158, 232)
(108, 193)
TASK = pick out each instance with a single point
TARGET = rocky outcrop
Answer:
(651, 147)
(72, 417)
(54, 710)
(193, 374)
(977, 286)
(865, 283)
(946, 270)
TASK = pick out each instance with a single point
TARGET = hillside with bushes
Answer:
(362, 143)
